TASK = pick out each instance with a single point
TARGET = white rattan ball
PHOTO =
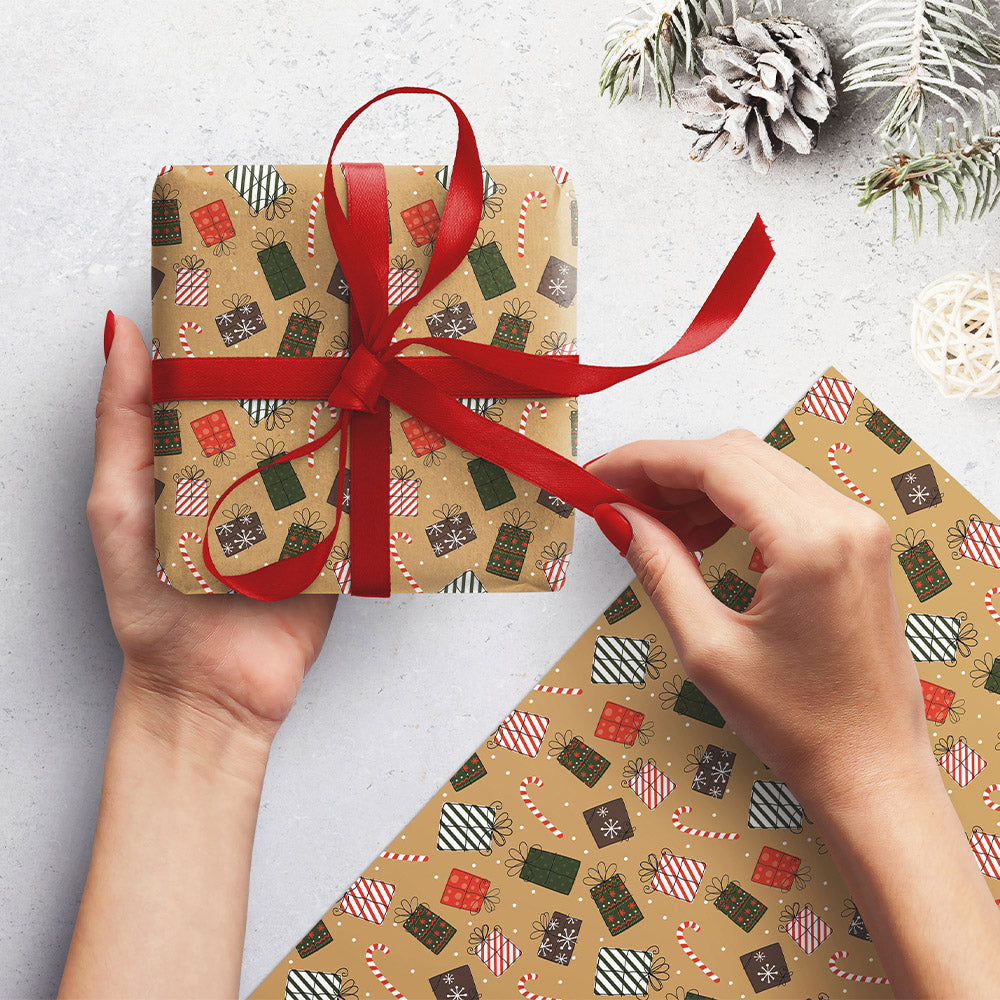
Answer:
(956, 333)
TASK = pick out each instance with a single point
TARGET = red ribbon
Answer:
(363, 384)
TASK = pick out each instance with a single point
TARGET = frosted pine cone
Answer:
(769, 83)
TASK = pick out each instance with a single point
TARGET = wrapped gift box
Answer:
(241, 531)
(546, 868)
(625, 604)
(917, 489)
(559, 937)
(937, 638)
(678, 876)
(766, 967)
(465, 891)
(773, 807)
(937, 701)
(257, 301)
(522, 732)
(714, 769)
(469, 773)
(986, 847)
(922, 567)
(620, 724)
(686, 698)
(432, 931)
(318, 937)
(735, 902)
(959, 760)
(776, 868)
(617, 907)
(458, 982)
(583, 761)
(830, 398)
(191, 498)
(622, 972)
(806, 928)
(979, 540)
(498, 952)
(609, 823)
(303, 984)
(466, 827)
(882, 427)
(368, 899)
(648, 782)
(619, 660)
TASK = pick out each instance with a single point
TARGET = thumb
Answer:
(670, 575)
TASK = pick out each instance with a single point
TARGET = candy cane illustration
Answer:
(530, 977)
(988, 796)
(687, 949)
(532, 808)
(395, 856)
(208, 170)
(988, 601)
(524, 211)
(535, 405)
(399, 562)
(164, 170)
(311, 232)
(854, 977)
(156, 349)
(831, 457)
(552, 689)
(419, 170)
(161, 573)
(182, 335)
(311, 436)
(377, 972)
(561, 174)
(694, 831)
(192, 536)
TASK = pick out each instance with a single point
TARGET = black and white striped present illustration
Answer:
(272, 413)
(978, 540)
(467, 583)
(629, 972)
(773, 807)
(262, 188)
(626, 660)
(465, 826)
(939, 638)
(304, 984)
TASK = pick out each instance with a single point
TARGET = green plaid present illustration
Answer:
(166, 429)
(730, 588)
(511, 546)
(467, 827)
(262, 188)
(685, 698)
(280, 479)
(514, 325)
(922, 568)
(305, 533)
(276, 261)
(489, 267)
(545, 868)
(469, 773)
(579, 759)
(735, 902)
(424, 924)
(986, 673)
(615, 903)
(622, 606)
(773, 807)
(780, 436)
(304, 325)
(939, 638)
(492, 483)
(881, 426)
(166, 216)
(629, 972)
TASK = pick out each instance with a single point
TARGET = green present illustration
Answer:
(469, 773)
(166, 216)
(464, 826)
(318, 937)
(492, 483)
(626, 660)
(303, 327)
(513, 537)
(305, 533)
(514, 325)
(579, 759)
(615, 903)
(166, 429)
(280, 479)
(489, 267)
(730, 588)
(986, 673)
(881, 426)
(780, 436)
(922, 568)
(629, 972)
(276, 261)
(424, 924)
(545, 868)
(685, 698)
(939, 638)
(622, 606)
(735, 902)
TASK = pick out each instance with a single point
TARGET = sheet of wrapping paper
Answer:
(772, 913)
(213, 296)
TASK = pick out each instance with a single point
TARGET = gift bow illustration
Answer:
(362, 385)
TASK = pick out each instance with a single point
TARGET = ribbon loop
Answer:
(360, 385)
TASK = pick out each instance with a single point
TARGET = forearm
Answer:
(164, 907)
(904, 855)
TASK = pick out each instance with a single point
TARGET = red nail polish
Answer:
(594, 459)
(616, 528)
(109, 333)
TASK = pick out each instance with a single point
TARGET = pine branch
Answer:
(920, 50)
(961, 175)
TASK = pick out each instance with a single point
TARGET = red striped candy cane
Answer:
(552, 689)
(532, 808)
(524, 211)
(208, 170)
(311, 436)
(192, 536)
(831, 457)
(854, 977)
(396, 856)
(161, 573)
(164, 170)
(182, 335)
(689, 951)
(988, 601)
(419, 170)
(534, 405)
(694, 831)
(377, 972)
(156, 349)
(561, 174)
(530, 977)
(988, 796)
(311, 233)
(399, 562)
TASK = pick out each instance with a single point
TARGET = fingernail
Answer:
(616, 529)
(109, 333)
(594, 459)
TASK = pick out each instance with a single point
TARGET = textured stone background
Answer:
(99, 96)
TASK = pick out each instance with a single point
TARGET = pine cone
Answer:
(769, 83)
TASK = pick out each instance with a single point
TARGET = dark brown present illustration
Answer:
(558, 282)
(917, 489)
(609, 822)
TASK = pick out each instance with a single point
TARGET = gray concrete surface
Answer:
(98, 96)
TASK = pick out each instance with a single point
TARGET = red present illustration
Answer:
(557, 345)
(621, 725)
(404, 493)
(340, 563)
(522, 732)
(554, 563)
(423, 439)
(937, 701)
(368, 899)
(804, 927)
(498, 953)
(979, 540)
(673, 875)
(647, 781)
(192, 282)
(830, 398)
(986, 847)
(465, 891)
(422, 221)
(192, 492)
(214, 435)
(757, 562)
(959, 759)
(214, 225)
(778, 869)
(404, 280)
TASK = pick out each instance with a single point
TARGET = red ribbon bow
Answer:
(428, 388)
